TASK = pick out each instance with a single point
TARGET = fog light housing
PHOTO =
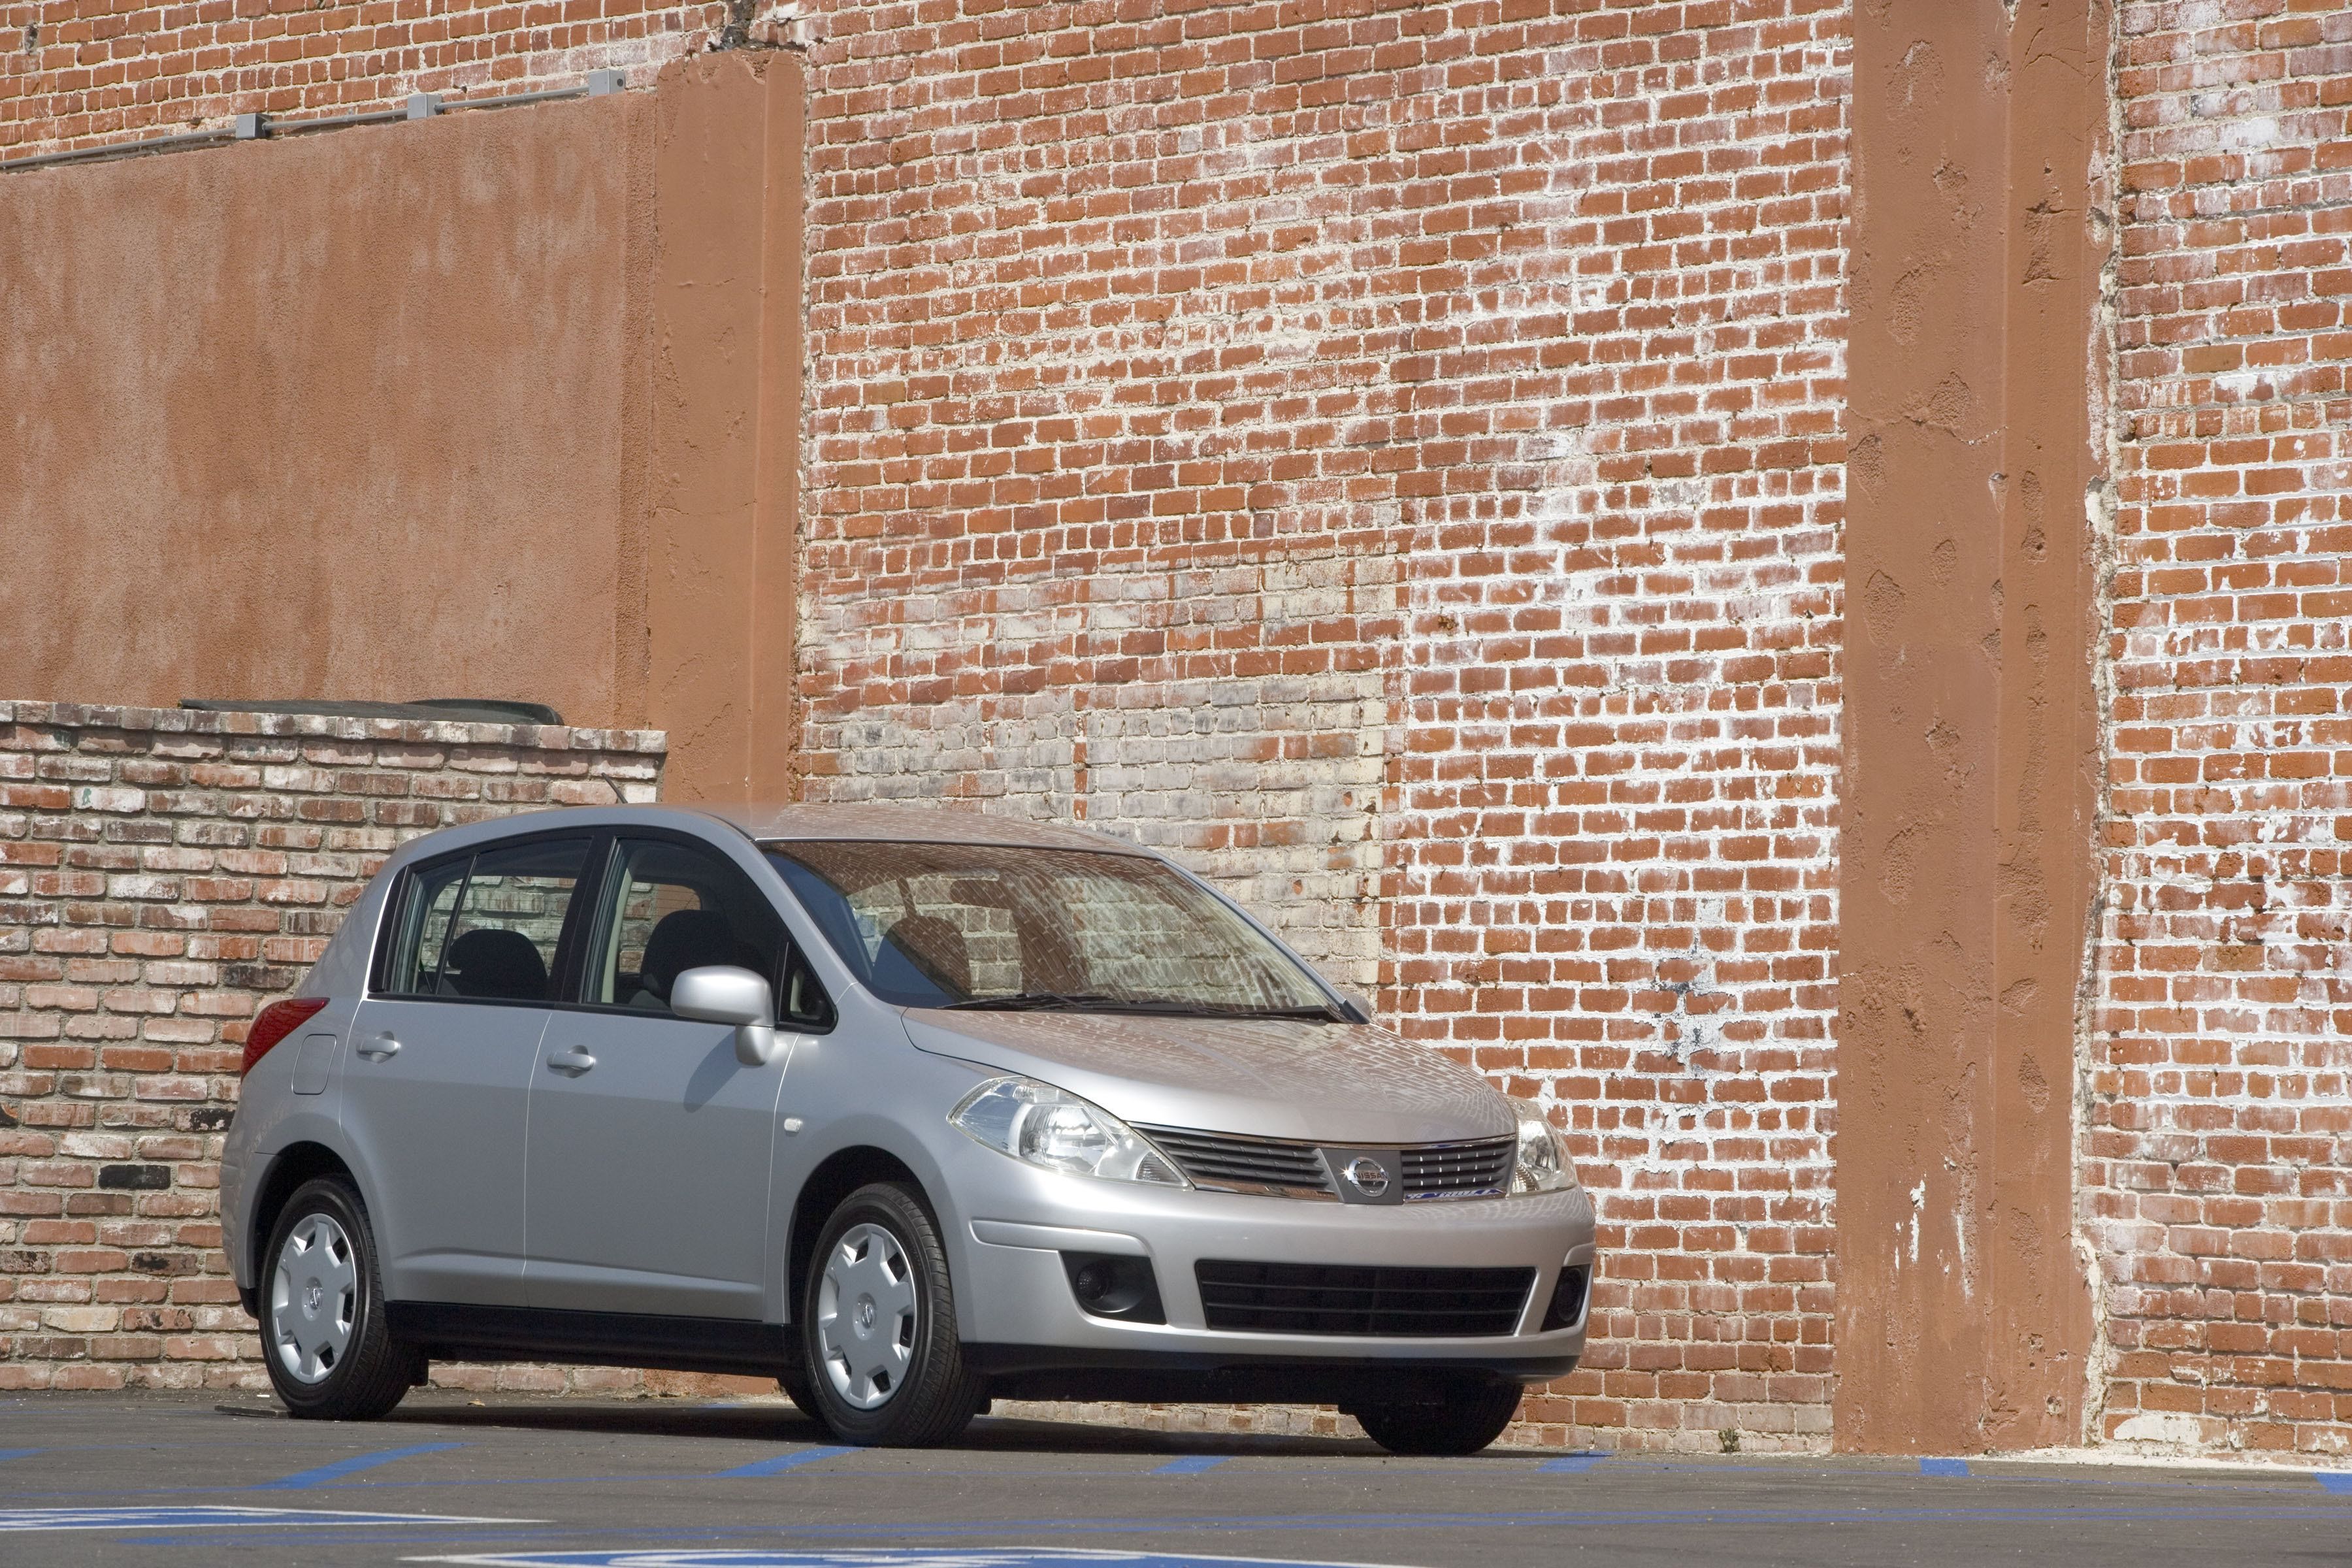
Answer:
(1568, 1297)
(1122, 1288)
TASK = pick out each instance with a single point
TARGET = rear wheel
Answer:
(1472, 1414)
(323, 1322)
(884, 1365)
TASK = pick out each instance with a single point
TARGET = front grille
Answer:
(1458, 1169)
(1234, 1163)
(1344, 1298)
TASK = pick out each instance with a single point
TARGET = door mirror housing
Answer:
(723, 994)
(1355, 1003)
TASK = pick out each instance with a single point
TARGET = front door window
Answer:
(669, 907)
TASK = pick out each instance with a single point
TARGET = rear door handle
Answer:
(381, 1048)
(574, 1061)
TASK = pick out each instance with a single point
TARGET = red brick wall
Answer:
(74, 74)
(2218, 1169)
(1389, 454)
(164, 875)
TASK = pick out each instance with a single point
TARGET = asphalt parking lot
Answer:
(187, 1480)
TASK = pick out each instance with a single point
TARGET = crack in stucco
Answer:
(2099, 505)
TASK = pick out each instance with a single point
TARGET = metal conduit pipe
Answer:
(258, 127)
(121, 150)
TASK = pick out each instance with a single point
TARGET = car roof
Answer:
(909, 825)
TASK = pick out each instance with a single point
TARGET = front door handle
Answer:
(574, 1061)
(380, 1048)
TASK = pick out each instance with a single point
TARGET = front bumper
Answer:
(1019, 1314)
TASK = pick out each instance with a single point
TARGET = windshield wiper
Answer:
(1035, 1002)
(1099, 1002)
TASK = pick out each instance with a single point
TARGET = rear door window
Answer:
(486, 927)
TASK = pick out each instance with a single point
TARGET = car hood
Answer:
(1270, 1078)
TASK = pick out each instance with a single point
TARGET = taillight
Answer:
(278, 1020)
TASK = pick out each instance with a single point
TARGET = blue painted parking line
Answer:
(7, 1454)
(988, 1535)
(736, 1557)
(2336, 1480)
(1571, 1464)
(303, 1480)
(779, 1465)
(699, 1553)
(1191, 1465)
(1943, 1467)
(215, 1517)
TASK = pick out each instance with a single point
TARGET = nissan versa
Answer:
(906, 1108)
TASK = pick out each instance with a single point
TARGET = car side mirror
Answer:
(1353, 1003)
(723, 994)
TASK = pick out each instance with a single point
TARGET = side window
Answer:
(671, 907)
(486, 928)
(411, 960)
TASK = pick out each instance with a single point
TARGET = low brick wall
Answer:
(164, 875)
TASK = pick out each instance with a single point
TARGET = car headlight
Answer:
(1543, 1164)
(1055, 1130)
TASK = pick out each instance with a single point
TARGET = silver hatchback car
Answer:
(909, 1109)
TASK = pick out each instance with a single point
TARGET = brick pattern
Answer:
(76, 75)
(1389, 454)
(163, 877)
(1619, 761)
(2217, 1155)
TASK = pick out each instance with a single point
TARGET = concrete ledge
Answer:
(439, 733)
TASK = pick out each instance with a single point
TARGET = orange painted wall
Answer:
(471, 406)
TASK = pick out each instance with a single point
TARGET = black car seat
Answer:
(924, 952)
(489, 962)
(684, 939)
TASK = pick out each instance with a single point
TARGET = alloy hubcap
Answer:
(314, 1299)
(866, 1316)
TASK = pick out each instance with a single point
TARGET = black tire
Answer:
(930, 1396)
(323, 1336)
(794, 1382)
(1472, 1414)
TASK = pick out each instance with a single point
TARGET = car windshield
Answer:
(986, 926)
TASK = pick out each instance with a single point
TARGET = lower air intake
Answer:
(1343, 1299)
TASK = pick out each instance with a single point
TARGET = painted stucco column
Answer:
(720, 303)
(1963, 1315)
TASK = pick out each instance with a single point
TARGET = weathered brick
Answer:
(110, 1118)
(2218, 1067)
(1398, 464)
(1436, 542)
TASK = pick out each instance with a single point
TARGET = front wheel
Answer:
(329, 1355)
(1470, 1416)
(885, 1368)
(794, 1383)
